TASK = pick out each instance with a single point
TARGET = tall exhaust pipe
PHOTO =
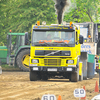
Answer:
(60, 6)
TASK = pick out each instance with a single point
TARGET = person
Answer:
(70, 37)
(89, 38)
(49, 37)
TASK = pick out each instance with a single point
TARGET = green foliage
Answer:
(19, 15)
(6, 67)
(84, 11)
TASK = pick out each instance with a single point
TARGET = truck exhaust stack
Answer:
(60, 6)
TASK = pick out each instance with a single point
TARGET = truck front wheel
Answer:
(44, 78)
(23, 60)
(34, 76)
(75, 76)
(81, 77)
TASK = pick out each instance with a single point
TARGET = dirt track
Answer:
(16, 86)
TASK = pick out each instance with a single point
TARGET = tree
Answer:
(85, 11)
(19, 15)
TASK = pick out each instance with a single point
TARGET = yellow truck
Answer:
(55, 51)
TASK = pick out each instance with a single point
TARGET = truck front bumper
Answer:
(53, 69)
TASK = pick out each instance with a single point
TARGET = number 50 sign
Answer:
(79, 93)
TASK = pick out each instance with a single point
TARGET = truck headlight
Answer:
(70, 61)
(35, 61)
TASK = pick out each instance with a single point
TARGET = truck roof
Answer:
(54, 27)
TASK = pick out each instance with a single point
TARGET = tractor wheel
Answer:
(75, 76)
(23, 59)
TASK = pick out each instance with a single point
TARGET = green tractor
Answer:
(17, 51)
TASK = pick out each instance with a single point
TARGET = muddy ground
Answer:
(17, 86)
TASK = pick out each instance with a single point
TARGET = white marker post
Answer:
(0, 70)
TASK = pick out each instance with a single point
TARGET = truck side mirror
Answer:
(26, 38)
(81, 39)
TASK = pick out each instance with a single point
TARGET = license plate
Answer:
(35, 68)
(69, 69)
(52, 69)
(34, 64)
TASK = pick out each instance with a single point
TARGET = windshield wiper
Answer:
(46, 43)
(61, 42)
(65, 43)
(41, 43)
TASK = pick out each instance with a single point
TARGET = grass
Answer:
(6, 67)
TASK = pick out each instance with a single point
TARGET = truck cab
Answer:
(55, 51)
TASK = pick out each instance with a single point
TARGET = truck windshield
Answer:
(53, 38)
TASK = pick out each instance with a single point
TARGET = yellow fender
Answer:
(80, 68)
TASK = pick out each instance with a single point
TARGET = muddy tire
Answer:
(75, 76)
(81, 77)
(44, 78)
(34, 76)
(23, 60)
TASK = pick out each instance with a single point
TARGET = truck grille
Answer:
(53, 62)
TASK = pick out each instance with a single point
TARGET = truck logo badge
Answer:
(66, 53)
(52, 53)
